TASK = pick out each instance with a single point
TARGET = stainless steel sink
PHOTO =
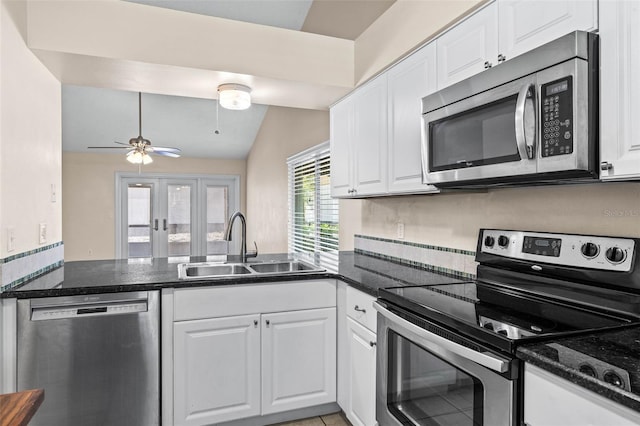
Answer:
(204, 270)
(192, 271)
(282, 267)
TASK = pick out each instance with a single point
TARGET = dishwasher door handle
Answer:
(75, 311)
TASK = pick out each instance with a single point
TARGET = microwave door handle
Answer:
(525, 131)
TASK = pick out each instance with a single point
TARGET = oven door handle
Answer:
(440, 345)
(525, 130)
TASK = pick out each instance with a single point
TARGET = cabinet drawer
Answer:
(358, 301)
(222, 301)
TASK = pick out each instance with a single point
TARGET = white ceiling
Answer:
(98, 117)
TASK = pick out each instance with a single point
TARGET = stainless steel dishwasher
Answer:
(96, 356)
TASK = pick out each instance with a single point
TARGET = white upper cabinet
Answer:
(619, 89)
(527, 24)
(359, 141)
(505, 29)
(469, 47)
(370, 137)
(407, 83)
(341, 131)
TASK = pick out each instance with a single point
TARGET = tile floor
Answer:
(336, 419)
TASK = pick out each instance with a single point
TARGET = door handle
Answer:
(164, 224)
(525, 134)
(155, 224)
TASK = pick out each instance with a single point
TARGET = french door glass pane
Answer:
(217, 217)
(423, 389)
(179, 220)
(139, 220)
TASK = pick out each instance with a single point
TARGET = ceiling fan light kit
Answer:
(139, 147)
(234, 96)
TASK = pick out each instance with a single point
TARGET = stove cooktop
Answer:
(500, 316)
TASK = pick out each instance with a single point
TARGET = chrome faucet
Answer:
(243, 247)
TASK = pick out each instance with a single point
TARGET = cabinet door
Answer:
(361, 409)
(216, 370)
(463, 50)
(551, 400)
(341, 133)
(408, 82)
(298, 359)
(527, 24)
(620, 89)
(370, 138)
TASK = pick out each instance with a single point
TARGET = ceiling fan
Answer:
(139, 147)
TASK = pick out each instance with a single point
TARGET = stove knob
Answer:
(590, 250)
(588, 370)
(613, 379)
(488, 326)
(503, 241)
(615, 255)
(503, 332)
(489, 241)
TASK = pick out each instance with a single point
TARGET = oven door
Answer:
(488, 135)
(426, 379)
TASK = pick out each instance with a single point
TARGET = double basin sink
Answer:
(189, 271)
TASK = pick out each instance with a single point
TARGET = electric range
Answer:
(530, 287)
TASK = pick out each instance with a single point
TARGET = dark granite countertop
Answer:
(612, 351)
(366, 273)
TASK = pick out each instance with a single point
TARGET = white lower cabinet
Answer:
(263, 350)
(361, 409)
(217, 374)
(298, 359)
(357, 355)
(550, 400)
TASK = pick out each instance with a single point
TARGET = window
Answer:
(313, 214)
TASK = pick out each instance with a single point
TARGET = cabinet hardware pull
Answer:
(358, 309)
(164, 224)
(487, 65)
(501, 58)
(268, 322)
(155, 224)
(372, 343)
(255, 323)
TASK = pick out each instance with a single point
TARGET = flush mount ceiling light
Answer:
(234, 96)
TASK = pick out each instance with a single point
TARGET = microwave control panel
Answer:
(557, 117)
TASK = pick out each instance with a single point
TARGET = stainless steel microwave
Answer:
(532, 119)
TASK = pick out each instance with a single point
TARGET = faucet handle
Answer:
(253, 253)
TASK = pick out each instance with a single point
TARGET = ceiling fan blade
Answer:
(167, 152)
(122, 143)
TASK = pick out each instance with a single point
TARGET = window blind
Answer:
(313, 214)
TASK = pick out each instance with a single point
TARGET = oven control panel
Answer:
(582, 251)
(557, 114)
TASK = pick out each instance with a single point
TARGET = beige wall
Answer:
(30, 139)
(88, 182)
(403, 27)
(453, 219)
(284, 132)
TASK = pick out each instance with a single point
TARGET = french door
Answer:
(173, 216)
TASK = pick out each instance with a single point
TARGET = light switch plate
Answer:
(43, 233)
(400, 230)
(11, 238)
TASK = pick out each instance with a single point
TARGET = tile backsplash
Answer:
(452, 261)
(23, 267)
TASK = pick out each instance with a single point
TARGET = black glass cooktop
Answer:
(497, 315)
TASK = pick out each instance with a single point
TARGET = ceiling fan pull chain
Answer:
(217, 131)
(140, 114)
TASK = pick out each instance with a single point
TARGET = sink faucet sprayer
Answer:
(243, 247)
